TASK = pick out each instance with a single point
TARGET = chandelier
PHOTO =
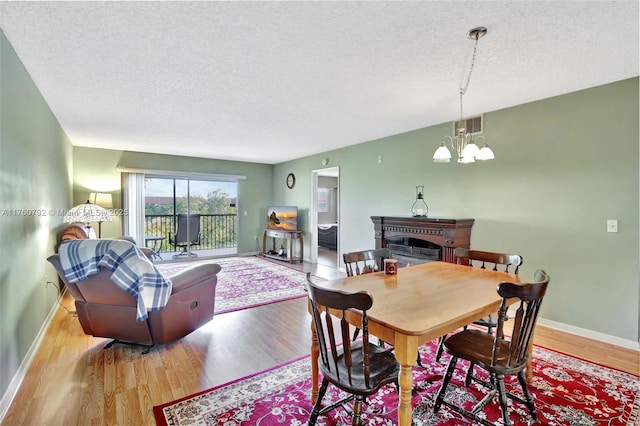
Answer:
(462, 142)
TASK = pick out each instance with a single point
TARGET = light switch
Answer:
(612, 225)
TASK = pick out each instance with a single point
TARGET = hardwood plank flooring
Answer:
(74, 381)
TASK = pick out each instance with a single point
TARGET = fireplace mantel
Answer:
(447, 233)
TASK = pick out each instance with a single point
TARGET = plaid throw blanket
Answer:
(132, 271)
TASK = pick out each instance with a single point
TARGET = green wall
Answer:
(563, 166)
(35, 175)
(97, 169)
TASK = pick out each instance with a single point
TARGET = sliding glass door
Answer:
(188, 218)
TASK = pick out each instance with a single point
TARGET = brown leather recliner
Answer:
(105, 310)
(76, 231)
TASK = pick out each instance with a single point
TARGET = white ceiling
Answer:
(273, 81)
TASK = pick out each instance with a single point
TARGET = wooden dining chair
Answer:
(366, 261)
(489, 260)
(485, 260)
(497, 354)
(358, 368)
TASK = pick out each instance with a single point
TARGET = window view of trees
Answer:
(216, 202)
(216, 207)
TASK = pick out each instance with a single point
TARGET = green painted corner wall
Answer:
(98, 169)
(35, 191)
(563, 166)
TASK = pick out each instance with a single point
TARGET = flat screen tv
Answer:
(284, 218)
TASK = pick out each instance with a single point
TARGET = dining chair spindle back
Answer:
(358, 368)
(496, 354)
(366, 261)
(485, 260)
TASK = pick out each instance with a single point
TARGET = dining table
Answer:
(416, 305)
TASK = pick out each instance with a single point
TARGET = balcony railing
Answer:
(216, 230)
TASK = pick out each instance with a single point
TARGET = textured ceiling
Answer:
(273, 81)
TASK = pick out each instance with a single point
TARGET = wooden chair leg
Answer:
(356, 420)
(527, 396)
(445, 382)
(317, 406)
(355, 334)
(502, 397)
(440, 348)
(469, 376)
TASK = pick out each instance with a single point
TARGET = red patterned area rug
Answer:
(245, 282)
(567, 391)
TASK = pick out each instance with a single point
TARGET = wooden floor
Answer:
(74, 381)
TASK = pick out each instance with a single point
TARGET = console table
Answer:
(290, 236)
(446, 233)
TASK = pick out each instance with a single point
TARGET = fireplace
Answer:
(413, 251)
(421, 239)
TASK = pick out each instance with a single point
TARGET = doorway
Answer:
(325, 214)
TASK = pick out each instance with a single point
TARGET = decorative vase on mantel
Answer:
(419, 208)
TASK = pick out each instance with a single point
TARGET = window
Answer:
(323, 200)
(155, 201)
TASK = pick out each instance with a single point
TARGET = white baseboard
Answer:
(12, 389)
(590, 334)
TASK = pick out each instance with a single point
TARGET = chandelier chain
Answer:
(463, 89)
(462, 141)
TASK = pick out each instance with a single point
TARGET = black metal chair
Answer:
(498, 355)
(187, 234)
(359, 368)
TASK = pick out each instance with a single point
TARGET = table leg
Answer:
(315, 353)
(264, 243)
(406, 348)
(301, 249)
(529, 370)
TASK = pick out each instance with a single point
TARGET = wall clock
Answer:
(291, 180)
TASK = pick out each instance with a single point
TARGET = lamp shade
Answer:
(442, 154)
(103, 199)
(86, 213)
(470, 151)
(485, 153)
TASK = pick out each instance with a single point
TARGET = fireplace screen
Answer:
(412, 251)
